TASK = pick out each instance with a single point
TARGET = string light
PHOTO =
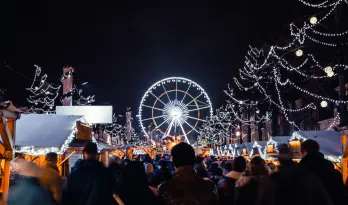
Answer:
(36, 151)
(217, 127)
(43, 95)
(335, 122)
(258, 148)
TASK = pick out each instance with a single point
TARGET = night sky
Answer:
(122, 48)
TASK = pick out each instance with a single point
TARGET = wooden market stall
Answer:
(38, 134)
(8, 117)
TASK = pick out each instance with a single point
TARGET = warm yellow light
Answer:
(237, 133)
(270, 148)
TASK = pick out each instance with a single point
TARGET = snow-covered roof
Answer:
(330, 142)
(45, 131)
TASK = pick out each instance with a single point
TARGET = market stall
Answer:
(8, 119)
(38, 134)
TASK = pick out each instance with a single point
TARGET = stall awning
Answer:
(330, 142)
(44, 131)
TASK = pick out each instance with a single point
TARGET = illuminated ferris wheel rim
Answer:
(180, 110)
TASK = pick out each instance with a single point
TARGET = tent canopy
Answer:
(330, 142)
(41, 130)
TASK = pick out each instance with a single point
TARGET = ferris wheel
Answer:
(175, 107)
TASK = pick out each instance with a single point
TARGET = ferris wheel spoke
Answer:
(199, 108)
(190, 126)
(194, 99)
(153, 107)
(204, 103)
(183, 131)
(158, 99)
(169, 128)
(176, 89)
(196, 118)
(162, 123)
(161, 116)
(166, 92)
(186, 93)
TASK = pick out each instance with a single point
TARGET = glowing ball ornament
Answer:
(323, 103)
(328, 69)
(330, 74)
(313, 20)
(299, 53)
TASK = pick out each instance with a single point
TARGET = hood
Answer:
(234, 174)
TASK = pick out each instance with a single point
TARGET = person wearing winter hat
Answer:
(92, 183)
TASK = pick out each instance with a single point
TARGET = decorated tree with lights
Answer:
(44, 95)
(279, 74)
(217, 128)
(118, 133)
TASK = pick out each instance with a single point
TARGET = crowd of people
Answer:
(182, 179)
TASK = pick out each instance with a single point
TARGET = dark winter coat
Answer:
(163, 173)
(247, 189)
(29, 192)
(292, 185)
(77, 165)
(186, 188)
(324, 169)
(91, 184)
(116, 170)
(226, 187)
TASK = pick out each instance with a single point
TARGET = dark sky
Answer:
(122, 48)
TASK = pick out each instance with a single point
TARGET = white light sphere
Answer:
(299, 53)
(237, 133)
(257, 111)
(328, 69)
(313, 20)
(330, 74)
(323, 103)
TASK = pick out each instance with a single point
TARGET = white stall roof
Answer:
(281, 139)
(330, 142)
(41, 130)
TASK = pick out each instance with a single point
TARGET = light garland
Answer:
(217, 128)
(43, 95)
(31, 150)
(258, 147)
(272, 143)
(335, 122)
(118, 134)
(263, 68)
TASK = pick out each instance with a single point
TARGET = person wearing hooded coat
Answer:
(91, 184)
(29, 191)
(292, 184)
(314, 161)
